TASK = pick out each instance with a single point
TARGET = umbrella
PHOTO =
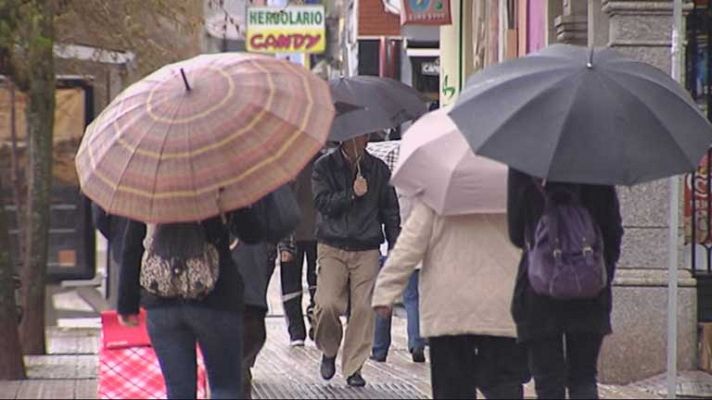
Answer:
(438, 165)
(384, 103)
(204, 136)
(571, 114)
(386, 151)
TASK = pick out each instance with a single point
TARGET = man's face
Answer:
(355, 147)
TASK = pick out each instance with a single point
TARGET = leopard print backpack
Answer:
(179, 261)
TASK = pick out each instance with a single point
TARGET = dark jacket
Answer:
(255, 262)
(348, 222)
(305, 232)
(228, 291)
(112, 227)
(303, 190)
(541, 316)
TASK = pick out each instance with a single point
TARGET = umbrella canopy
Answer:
(571, 114)
(204, 136)
(438, 165)
(387, 151)
(384, 103)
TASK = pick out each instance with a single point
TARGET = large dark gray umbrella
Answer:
(384, 103)
(571, 114)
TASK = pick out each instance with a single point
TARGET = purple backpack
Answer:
(565, 258)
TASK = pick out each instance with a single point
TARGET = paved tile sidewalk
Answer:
(70, 371)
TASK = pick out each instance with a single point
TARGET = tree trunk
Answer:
(12, 366)
(19, 192)
(40, 121)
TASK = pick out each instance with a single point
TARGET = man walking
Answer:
(354, 203)
(294, 250)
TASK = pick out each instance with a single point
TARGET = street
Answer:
(70, 371)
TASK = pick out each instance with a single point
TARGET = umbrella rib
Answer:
(563, 124)
(633, 74)
(636, 98)
(474, 81)
(159, 160)
(117, 184)
(555, 86)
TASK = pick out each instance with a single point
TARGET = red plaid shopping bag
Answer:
(128, 367)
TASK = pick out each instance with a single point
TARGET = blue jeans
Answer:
(174, 332)
(382, 338)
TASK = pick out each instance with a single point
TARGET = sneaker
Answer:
(328, 367)
(296, 343)
(356, 380)
(418, 355)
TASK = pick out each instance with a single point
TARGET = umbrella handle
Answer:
(223, 217)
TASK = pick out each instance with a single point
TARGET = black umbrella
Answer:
(383, 103)
(573, 114)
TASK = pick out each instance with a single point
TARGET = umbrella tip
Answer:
(589, 64)
(185, 80)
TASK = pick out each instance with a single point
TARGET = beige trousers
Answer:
(340, 273)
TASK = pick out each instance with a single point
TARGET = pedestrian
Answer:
(466, 280)
(112, 227)
(382, 336)
(176, 324)
(563, 337)
(256, 263)
(355, 205)
(298, 248)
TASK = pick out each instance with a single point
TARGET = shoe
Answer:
(328, 367)
(356, 380)
(418, 355)
(296, 343)
(378, 358)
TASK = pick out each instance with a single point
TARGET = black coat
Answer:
(228, 292)
(539, 316)
(255, 262)
(348, 222)
(112, 227)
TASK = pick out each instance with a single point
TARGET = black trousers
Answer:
(254, 338)
(566, 361)
(461, 364)
(291, 279)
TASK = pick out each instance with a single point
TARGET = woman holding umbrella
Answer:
(173, 153)
(581, 120)
(457, 229)
(545, 323)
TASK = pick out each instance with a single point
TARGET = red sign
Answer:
(697, 191)
(425, 12)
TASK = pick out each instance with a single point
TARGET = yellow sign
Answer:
(292, 29)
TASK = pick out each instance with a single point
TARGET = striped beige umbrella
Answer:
(204, 136)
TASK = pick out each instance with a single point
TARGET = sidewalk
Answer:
(70, 371)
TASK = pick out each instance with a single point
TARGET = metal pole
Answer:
(674, 222)
(590, 25)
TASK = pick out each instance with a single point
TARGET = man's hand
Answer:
(130, 320)
(360, 186)
(383, 311)
(285, 256)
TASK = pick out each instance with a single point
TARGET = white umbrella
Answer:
(437, 165)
